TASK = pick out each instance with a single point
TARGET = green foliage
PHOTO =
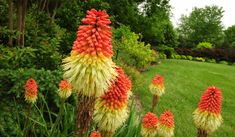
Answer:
(183, 57)
(223, 62)
(203, 24)
(230, 36)
(162, 56)
(211, 60)
(27, 57)
(200, 59)
(129, 50)
(166, 50)
(203, 45)
(189, 57)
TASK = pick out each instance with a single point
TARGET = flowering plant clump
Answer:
(90, 63)
(166, 124)
(65, 89)
(111, 108)
(31, 90)
(208, 114)
(149, 125)
(95, 134)
(157, 85)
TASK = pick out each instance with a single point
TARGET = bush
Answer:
(128, 49)
(199, 59)
(223, 62)
(203, 45)
(162, 56)
(168, 51)
(183, 57)
(189, 57)
(211, 60)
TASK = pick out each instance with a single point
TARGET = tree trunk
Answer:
(19, 21)
(21, 12)
(10, 22)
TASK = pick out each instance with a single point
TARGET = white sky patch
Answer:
(180, 7)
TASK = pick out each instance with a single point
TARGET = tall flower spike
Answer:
(207, 116)
(31, 90)
(65, 89)
(166, 124)
(90, 63)
(111, 108)
(157, 85)
(95, 134)
(149, 125)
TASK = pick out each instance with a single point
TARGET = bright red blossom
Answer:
(211, 100)
(95, 37)
(31, 88)
(116, 97)
(64, 85)
(95, 134)
(150, 120)
(167, 118)
(158, 80)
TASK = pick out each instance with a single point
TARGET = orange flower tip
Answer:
(167, 119)
(117, 95)
(211, 100)
(158, 80)
(65, 89)
(95, 134)
(150, 121)
(31, 90)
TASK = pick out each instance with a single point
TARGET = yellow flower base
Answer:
(89, 75)
(206, 120)
(31, 99)
(156, 90)
(109, 119)
(165, 131)
(148, 132)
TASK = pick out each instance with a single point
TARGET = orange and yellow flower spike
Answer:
(207, 116)
(65, 89)
(90, 68)
(157, 85)
(31, 90)
(149, 125)
(166, 124)
(111, 108)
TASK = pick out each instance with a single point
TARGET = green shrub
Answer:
(211, 60)
(189, 57)
(128, 49)
(177, 57)
(200, 59)
(203, 45)
(162, 56)
(223, 62)
(168, 51)
(183, 57)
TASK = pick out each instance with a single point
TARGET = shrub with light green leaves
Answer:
(204, 45)
(223, 62)
(189, 57)
(211, 60)
(200, 59)
(183, 57)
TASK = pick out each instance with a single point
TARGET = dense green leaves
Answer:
(203, 24)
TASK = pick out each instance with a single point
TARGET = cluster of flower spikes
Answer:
(31, 90)
(157, 85)
(166, 124)
(65, 89)
(95, 134)
(208, 114)
(149, 125)
(90, 63)
(111, 108)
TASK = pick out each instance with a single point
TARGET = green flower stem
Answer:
(154, 102)
(27, 122)
(58, 117)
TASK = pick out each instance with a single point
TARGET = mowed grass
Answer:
(185, 81)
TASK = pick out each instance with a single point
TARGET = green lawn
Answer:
(185, 81)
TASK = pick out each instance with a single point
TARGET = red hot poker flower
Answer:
(31, 90)
(95, 37)
(211, 100)
(158, 80)
(150, 121)
(65, 89)
(167, 118)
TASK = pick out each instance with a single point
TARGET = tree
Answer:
(230, 36)
(203, 24)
